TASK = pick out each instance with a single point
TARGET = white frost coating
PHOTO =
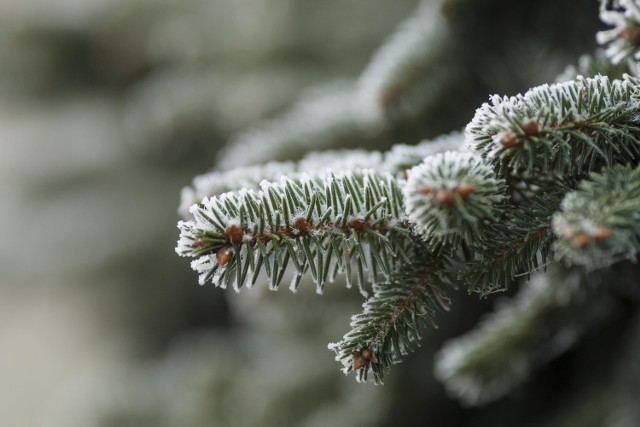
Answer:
(432, 203)
(331, 209)
(316, 165)
(345, 361)
(202, 266)
(402, 157)
(625, 22)
(548, 105)
(217, 182)
(404, 64)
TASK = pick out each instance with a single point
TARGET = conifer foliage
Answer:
(549, 177)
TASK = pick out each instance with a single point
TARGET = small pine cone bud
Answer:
(630, 34)
(602, 233)
(464, 190)
(362, 358)
(357, 224)
(301, 224)
(223, 256)
(507, 139)
(580, 240)
(358, 360)
(531, 128)
(444, 197)
(234, 234)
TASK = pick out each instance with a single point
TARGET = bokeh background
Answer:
(108, 108)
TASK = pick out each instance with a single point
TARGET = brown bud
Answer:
(301, 224)
(444, 197)
(358, 360)
(424, 190)
(223, 256)
(234, 233)
(356, 224)
(531, 128)
(602, 233)
(507, 139)
(630, 34)
(362, 358)
(581, 240)
(465, 190)
(383, 226)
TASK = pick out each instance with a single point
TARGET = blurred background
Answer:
(109, 107)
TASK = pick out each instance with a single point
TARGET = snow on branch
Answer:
(566, 128)
(317, 166)
(391, 322)
(449, 194)
(348, 223)
(599, 223)
(515, 244)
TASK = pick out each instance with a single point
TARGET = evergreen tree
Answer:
(540, 191)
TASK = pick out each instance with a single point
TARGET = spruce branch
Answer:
(411, 70)
(545, 318)
(216, 182)
(567, 128)
(392, 319)
(346, 223)
(516, 244)
(599, 223)
(317, 166)
(449, 194)
(623, 39)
